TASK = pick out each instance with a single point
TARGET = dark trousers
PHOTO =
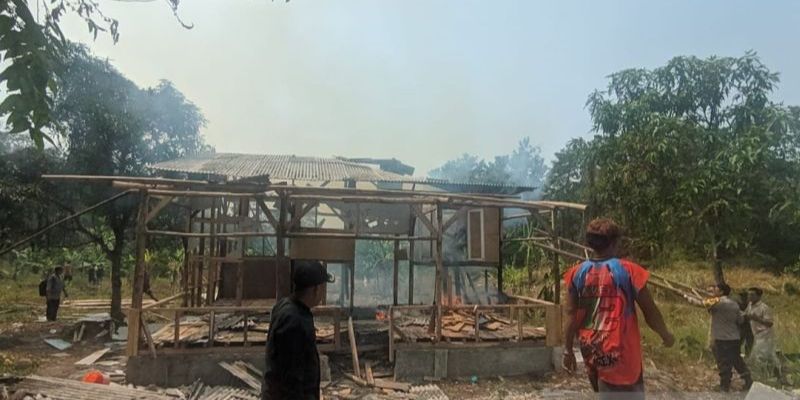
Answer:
(608, 391)
(52, 309)
(726, 352)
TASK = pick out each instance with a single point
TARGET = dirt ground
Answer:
(22, 346)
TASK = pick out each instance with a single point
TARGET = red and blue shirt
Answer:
(608, 329)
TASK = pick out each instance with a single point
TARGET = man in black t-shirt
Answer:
(292, 369)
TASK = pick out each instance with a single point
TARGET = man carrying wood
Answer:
(292, 368)
(726, 316)
(601, 302)
(55, 286)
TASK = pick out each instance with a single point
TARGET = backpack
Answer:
(43, 287)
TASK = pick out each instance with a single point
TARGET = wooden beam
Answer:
(267, 213)
(416, 210)
(163, 301)
(303, 211)
(207, 235)
(163, 202)
(280, 253)
(395, 271)
(333, 235)
(460, 213)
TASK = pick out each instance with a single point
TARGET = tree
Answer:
(111, 127)
(692, 154)
(523, 167)
(34, 50)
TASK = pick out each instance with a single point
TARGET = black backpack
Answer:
(43, 287)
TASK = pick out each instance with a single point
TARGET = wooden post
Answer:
(187, 254)
(391, 334)
(211, 328)
(395, 277)
(410, 272)
(176, 341)
(411, 231)
(437, 299)
(244, 332)
(519, 323)
(553, 325)
(212, 252)
(281, 263)
(134, 314)
(500, 251)
(556, 270)
(244, 210)
(353, 349)
(147, 336)
(352, 287)
(198, 269)
(337, 332)
(477, 317)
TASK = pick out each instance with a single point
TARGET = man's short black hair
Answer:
(724, 288)
(58, 269)
(756, 290)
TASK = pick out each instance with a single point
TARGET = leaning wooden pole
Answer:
(134, 314)
(63, 220)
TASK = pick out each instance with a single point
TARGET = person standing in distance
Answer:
(292, 370)
(601, 302)
(55, 286)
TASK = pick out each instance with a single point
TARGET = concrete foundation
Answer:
(176, 369)
(413, 364)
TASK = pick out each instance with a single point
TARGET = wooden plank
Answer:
(368, 373)
(92, 358)
(392, 385)
(162, 301)
(242, 374)
(138, 273)
(459, 214)
(353, 349)
(553, 326)
(150, 344)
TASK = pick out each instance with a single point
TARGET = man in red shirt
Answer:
(602, 293)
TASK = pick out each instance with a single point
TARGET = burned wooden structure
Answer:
(239, 239)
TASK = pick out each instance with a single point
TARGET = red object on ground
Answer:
(96, 377)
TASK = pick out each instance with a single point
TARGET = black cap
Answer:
(309, 273)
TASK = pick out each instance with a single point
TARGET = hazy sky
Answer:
(422, 81)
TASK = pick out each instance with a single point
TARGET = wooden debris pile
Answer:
(65, 389)
(460, 325)
(229, 329)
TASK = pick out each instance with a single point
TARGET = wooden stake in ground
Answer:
(353, 349)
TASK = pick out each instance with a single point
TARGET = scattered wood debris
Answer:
(92, 358)
(240, 370)
(65, 389)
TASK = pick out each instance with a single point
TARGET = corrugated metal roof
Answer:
(277, 167)
(290, 167)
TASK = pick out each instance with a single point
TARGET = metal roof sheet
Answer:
(277, 167)
(291, 167)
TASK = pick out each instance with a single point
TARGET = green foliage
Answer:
(33, 52)
(690, 155)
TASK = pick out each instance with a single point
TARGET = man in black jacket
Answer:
(292, 370)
